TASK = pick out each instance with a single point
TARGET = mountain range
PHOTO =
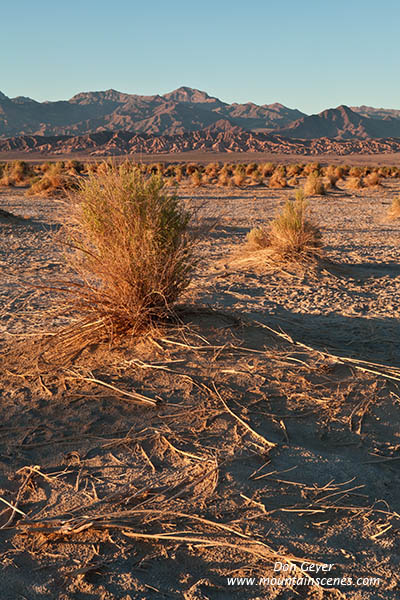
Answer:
(182, 110)
(183, 119)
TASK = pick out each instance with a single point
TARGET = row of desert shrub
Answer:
(41, 177)
(52, 177)
(15, 173)
(270, 174)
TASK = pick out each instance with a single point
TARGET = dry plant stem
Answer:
(14, 507)
(188, 454)
(132, 395)
(355, 363)
(256, 435)
(252, 546)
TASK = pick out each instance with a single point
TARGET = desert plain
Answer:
(261, 429)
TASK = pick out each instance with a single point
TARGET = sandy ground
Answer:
(275, 436)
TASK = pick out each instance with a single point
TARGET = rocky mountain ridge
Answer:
(112, 122)
(220, 137)
(182, 110)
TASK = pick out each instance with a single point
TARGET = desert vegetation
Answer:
(257, 239)
(211, 409)
(130, 247)
(292, 234)
(49, 178)
(394, 209)
(314, 186)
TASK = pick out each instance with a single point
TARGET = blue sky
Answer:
(310, 54)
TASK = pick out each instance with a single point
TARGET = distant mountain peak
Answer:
(22, 99)
(110, 94)
(187, 94)
(3, 96)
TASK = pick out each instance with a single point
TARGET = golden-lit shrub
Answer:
(196, 179)
(311, 168)
(331, 174)
(372, 180)
(74, 167)
(355, 172)
(239, 176)
(179, 173)
(130, 249)
(294, 170)
(224, 179)
(394, 209)
(292, 235)
(257, 238)
(191, 168)
(256, 177)
(5, 176)
(267, 169)
(383, 171)
(52, 182)
(314, 185)
(353, 183)
(340, 172)
(277, 180)
(250, 168)
(20, 171)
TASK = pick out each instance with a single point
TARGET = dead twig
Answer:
(256, 435)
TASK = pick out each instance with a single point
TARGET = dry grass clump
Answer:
(332, 175)
(256, 177)
(130, 249)
(292, 235)
(372, 180)
(257, 238)
(394, 172)
(20, 172)
(354, 183)
(331, 182)
(394, 210)
(383, 171)
(16, 173)
(239, 176)
(53, 181)
(74, 167)
(293, 181)
(5, 176)
(341, 171)
(196, 179)
(211, 171)
(250, 168)
(179, 173)
(294, 170)
(267, 169)
(277, 180)
(224, 179)
(314, 185)
(355, 172)
(311, 168)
